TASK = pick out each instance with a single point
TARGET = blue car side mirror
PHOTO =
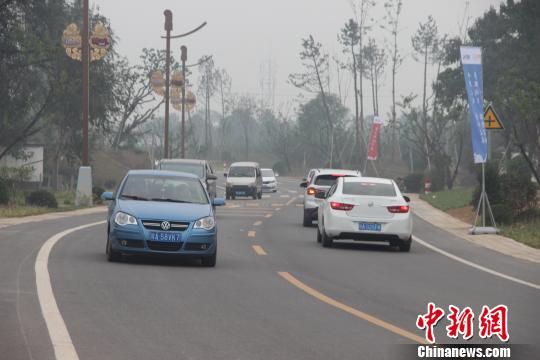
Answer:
(107, 195)
(218, 202)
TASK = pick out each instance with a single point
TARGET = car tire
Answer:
(227, 196)
(112, 255)
(209, 261)
(326, 240)
(260, 195)
(319, 235)
(233, 197)
(254, 194)
(307, 219)
(405, 246)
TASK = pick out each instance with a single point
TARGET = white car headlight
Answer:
(206, 223)
(124, 219)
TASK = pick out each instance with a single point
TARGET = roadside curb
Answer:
(460, 229)
(11, 221)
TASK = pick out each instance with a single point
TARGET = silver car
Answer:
(321, 181)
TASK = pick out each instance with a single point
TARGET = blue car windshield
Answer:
(163, 188)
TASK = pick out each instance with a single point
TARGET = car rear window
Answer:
(325, 180)
(368, 188)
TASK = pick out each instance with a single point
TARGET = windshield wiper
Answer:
(133, 197)
(173, 200)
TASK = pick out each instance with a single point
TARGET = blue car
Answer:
(164, 213)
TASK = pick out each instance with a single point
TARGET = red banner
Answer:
(374, 138)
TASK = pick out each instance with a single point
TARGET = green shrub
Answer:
(42, 198)
(493, 185)
(96, 194)
(4, 192)
(502, 213)
(414, 182)
(437, 180)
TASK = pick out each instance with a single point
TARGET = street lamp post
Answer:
(168, 37)
(168, 28)
(85, 48)
(183, 58)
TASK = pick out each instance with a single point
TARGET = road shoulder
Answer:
(460, 229)
(5, 222)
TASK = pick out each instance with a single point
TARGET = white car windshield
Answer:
(163, 188)
(267, 173)
(242, 171)
(368, 188)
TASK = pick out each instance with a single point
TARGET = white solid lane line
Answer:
(474, 265)
(60, 338)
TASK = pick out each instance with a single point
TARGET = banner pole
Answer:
(483, 197)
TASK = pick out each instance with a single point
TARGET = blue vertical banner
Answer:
(471, 58)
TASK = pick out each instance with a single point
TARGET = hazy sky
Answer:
(242, 35)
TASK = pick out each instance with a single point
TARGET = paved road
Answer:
(275, 293)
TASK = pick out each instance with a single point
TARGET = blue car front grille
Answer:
(156, 225)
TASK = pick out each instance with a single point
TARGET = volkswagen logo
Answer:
(165, 225)
(370, 204)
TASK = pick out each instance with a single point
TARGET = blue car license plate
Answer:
(369, 226)
(165, 236)
(240, 193)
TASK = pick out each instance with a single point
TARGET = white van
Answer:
(244, 179)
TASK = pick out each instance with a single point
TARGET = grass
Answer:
(449, 199)
(525, 230)
(18, 208)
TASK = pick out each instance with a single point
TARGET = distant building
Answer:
(32, 158)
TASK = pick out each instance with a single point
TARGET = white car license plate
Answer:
(165, 236)
(369, 226)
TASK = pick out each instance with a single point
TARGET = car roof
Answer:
(375, 180)
(245, 163)
(184, 161)
(267, 169)
(338, 171)
(162, 173)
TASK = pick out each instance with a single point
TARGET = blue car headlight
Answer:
(123, 219)
(206, 223)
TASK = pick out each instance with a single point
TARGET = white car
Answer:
(368, 209)
(321, 180)
(269, 180)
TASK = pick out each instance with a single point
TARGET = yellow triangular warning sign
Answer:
(491, 119)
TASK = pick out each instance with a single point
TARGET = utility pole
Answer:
(168, 29)
(183, 57)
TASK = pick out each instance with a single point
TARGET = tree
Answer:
(208, 83)
(244, 112)
(279, 136)
(315, 79)
(361, 12)
(425, 44)
(313, 127)
(134, 98)
(350, 38)
(393, 12)
(375, 61)
(224, 83)
(509, 40)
